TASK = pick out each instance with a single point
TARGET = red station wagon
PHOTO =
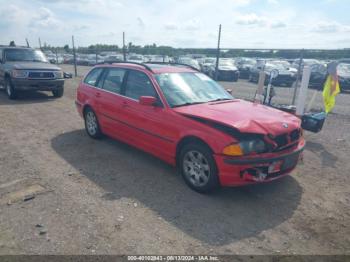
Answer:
(188, 120)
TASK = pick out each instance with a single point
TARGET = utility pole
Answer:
(218, 55)
(124, 51)
(75, 58)
(56, 55)
(298, 77)
(27, 43)
(39, 43)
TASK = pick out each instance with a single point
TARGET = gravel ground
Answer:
(105, 197)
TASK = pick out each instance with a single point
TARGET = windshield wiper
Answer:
(220, 99)
(188, 103)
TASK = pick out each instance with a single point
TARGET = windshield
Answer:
(225, 63)
(269, 67)
(209, 60)
(190, 88)
(344, 69)
(24, 55)
(135, 58)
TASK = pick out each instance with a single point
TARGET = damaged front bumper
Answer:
(234, 171)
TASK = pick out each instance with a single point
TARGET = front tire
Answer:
(198, 168)
(58, 92)
(10, 90)
(92, 126)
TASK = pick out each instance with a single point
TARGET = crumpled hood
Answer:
(33, 65)
(245, 116)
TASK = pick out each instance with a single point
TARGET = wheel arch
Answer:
(187, 140)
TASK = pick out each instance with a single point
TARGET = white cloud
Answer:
(245, 23)
(278, 24)
(330, 27)
(44, 18)
(170, 26)
(192, 25)
(250, 19)
(140, 22)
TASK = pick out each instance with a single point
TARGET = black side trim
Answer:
(140, 129)
(232, 161)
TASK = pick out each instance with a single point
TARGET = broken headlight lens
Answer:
(252, 146)
(245, 148)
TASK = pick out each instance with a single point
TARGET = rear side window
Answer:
(114, 80)
(92, 77)
(138, 84)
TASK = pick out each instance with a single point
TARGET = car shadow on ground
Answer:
(327, 158)
(217, 219)
(26, 98)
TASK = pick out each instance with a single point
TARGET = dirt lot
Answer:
(105, 197)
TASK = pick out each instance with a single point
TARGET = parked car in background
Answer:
(158, 58)
(136, 59)
(318, 75)
(227, 71)
(284, 78)
(189, 61)
(207, 64)
(344, 76)
(188, 120)
(113, 58)
(285, 64)
(27, 69)
(308, 62)
(244, 65)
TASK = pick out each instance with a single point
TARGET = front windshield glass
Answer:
(190, 88)
(270, 67)
(209, 60)
(25, 55)
(343, 69)
(225, 63)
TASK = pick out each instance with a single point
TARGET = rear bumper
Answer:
(38, 84)
(235, 171)
(228, 75)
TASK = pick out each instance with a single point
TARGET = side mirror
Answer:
(67, 75)
(147, 100)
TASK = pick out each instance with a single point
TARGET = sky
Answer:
(319, 24)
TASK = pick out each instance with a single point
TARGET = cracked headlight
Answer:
(245, 148)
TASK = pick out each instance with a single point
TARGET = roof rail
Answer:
(133, 63)
(175, 64)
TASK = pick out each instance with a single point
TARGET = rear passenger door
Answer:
(110, 100)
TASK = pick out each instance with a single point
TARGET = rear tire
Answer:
(92, 126)
(58, 92)
(198, 168)
(10, 90)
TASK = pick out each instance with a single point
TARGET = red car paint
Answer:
(160, 130)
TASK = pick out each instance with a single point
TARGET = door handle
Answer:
(124, 104)
(98, 94)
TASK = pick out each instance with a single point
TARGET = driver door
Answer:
(147, 127)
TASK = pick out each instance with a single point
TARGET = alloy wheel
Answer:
(196, 168)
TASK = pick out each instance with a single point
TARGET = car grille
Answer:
(41, 75)
(286, 139)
